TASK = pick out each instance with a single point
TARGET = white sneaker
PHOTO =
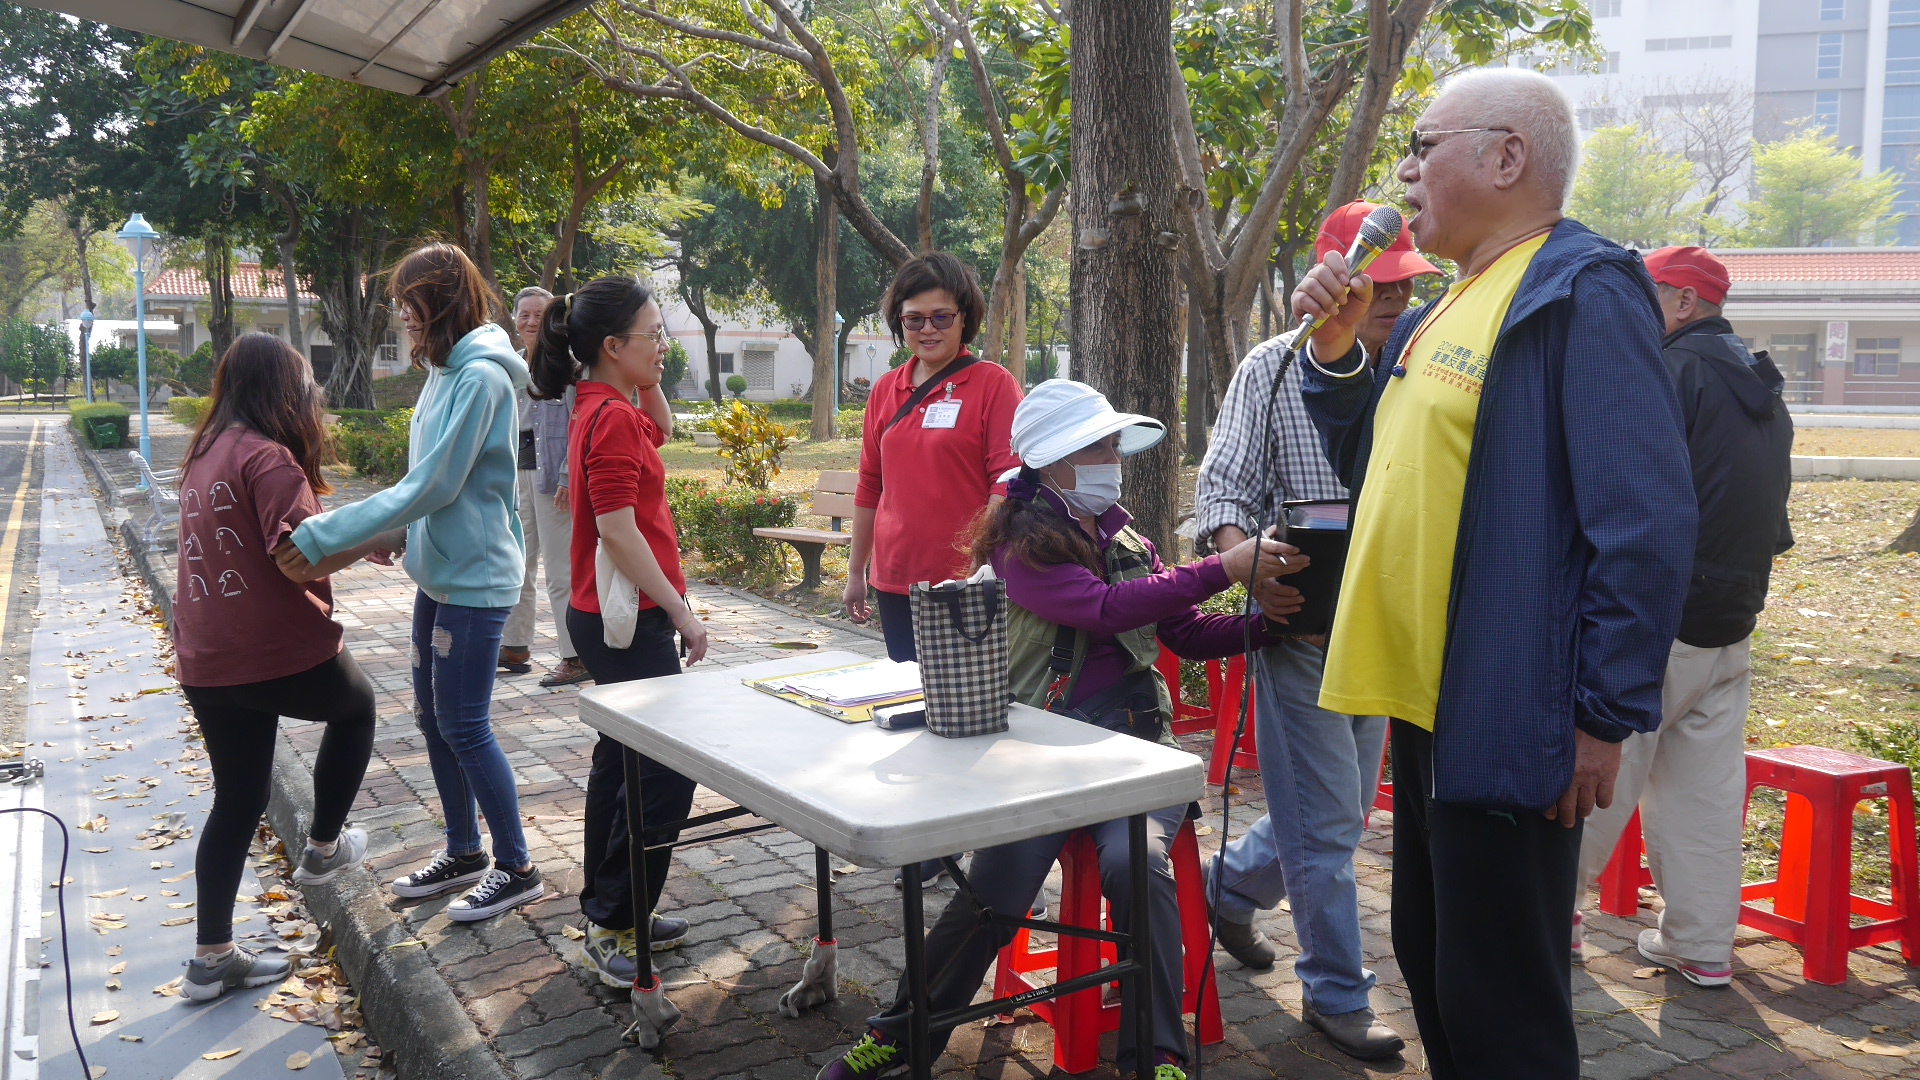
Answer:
(1579, 937)
(1655, 949)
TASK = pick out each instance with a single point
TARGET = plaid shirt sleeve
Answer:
(1264, 450)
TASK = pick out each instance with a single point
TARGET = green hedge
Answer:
(360, 418)
(377, 450)
(719, 523)
(187, 410)
(113, 411)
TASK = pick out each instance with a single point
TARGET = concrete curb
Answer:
(1867, 468)
(411, 1010)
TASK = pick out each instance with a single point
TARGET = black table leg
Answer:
(823, 887)
(918, 1055)
(1142, 946)
(637, 866)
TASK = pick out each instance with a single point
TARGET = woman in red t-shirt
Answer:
(251, 645)
(609, 342)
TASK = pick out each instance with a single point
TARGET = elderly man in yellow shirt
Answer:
(1523, 529)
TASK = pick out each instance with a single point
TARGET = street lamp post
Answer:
(839, 320)
(139, 236)
(86, 358)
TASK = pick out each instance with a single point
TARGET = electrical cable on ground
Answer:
(66, 960)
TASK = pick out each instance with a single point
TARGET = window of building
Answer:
(1610, 65)
(1606, 9)
(1833, 10)
(389, 351)
(726, 363)
(1827, 60)
(1876, 356)
(1681, 44)
(1826, 111)
(758, 364)
(1596, 118)
(270, 328)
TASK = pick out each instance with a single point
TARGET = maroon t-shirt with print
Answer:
(236, 618)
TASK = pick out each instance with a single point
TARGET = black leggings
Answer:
(241, 725)
(606, 889)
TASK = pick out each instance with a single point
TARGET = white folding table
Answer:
(881, 798)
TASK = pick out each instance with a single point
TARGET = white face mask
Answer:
(1096, 488)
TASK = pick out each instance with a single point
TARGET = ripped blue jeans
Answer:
(455, 651)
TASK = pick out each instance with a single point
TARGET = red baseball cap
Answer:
(1398, 263)
(1684, 267)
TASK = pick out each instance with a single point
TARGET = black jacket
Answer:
(1741, 441)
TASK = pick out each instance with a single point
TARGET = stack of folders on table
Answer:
(853, 693)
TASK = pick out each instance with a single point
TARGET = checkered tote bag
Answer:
(960, 632)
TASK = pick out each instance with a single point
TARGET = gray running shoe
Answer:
(317, 869)
(612, 955)
(241, 968)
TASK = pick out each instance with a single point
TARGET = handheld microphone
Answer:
(1377, 233)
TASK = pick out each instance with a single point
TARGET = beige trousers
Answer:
(1689, 781)
(548, 529)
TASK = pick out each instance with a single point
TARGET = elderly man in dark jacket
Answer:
(1523, 525)
(1689, 778)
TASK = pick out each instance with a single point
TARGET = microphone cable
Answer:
(66, 960)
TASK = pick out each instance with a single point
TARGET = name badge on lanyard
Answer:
(944, 413)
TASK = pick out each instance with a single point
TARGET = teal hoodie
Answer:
(459, 499)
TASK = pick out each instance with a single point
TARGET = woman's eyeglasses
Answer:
(658, 337)
(940, 321)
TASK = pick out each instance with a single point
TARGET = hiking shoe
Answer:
(664, 932)
(1245, 943)
(1579, 937)
(610, 954)
(1357, 1034)
(499, 891)
(870, 1059)
(240, 968)
(930, 872)
(516, 661)
(570, 671)
(316, 869)
(1655, 949)
(445, 874)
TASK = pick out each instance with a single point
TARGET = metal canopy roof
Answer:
(408, 46)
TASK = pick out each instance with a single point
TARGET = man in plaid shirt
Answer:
(1319, 769)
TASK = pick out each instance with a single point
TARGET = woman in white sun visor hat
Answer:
(1079, 580)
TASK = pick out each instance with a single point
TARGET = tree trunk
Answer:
(826, 267)
(1908, 540)
(930, 140)
(696, 300)
(1124, 288)
(352, 309)
(585, 190)
(1199, 383)
(1017, 324)
(289, 279)
(218, 267)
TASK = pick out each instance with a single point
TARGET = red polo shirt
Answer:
(926, 484)
(622, 469)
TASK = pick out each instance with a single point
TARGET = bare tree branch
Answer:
(1392, 30)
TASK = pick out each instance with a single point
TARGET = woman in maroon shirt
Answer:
(609, 342)
(252, 645)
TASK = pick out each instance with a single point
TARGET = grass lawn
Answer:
(1856, 442)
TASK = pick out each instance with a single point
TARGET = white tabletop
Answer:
(888, 798)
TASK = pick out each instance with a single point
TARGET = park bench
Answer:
(160, 489)
(832, 499)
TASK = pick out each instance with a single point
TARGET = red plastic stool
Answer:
(1078, 1020)
(1223, 689)
(1187, 719)
(1620, 882)
(1813, 899)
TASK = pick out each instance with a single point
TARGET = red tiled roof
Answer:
(1836, 265)
(249, 283)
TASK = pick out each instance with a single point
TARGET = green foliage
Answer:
(1808, 192)
(751, 442)
(193, 375)
(111, 364)
(1897, 741)
(676, 367)
(719, 524)
(34, 355)
(80, 413)
(187, 410)
(1631, 193)
(737, 385)
(377, 450)
(900, 356)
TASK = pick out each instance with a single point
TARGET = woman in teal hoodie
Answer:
(465, 551)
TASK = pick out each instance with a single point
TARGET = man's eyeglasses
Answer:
(940, 320)
(1417, 144)
(658, 337)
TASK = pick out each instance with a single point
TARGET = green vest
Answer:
(1030, 638)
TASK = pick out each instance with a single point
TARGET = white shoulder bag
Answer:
(619, 598)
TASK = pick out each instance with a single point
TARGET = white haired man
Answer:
(1523, 529)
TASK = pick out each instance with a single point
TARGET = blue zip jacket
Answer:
(458, 499)
(1576, 530)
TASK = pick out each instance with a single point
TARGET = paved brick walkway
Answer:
(751, 902)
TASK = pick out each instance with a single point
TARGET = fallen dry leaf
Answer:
(113, 950)
(96, 1071)
(132, 1038)
(107, 1017)
(572, 933)
(220, 1055)
(108, 895)
(119, 968)
(113, 984)
(181, 921)
(1648, 972)
(1878, 1049)
(299, 1059)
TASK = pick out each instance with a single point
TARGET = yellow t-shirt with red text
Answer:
(1390, 630)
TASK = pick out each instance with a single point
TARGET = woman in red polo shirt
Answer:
(938, 434)
(609, 342)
